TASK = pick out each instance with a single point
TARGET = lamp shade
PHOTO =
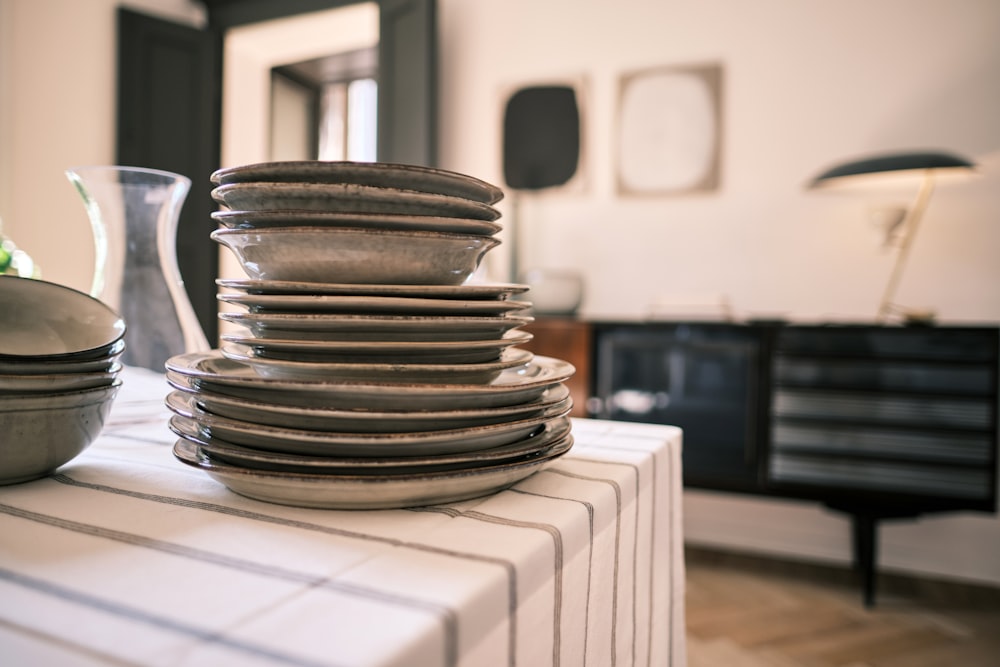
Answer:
(891, 163)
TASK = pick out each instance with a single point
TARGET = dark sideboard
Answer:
(877, 422)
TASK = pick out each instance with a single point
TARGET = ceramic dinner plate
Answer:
(553, 400)
(213, 372)
(393, 352)
(364, 305)
(396, 371)
(252, 457)
(466, 291)
(335, 443)
(383, 174)
(416, 328)
(347, 198)
(367, 492)
(396, 221)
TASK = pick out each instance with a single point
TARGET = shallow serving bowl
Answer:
(49, 383)
(43, 320)
(41, 432)
(348, 255)
(63, 365)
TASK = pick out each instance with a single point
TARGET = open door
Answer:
(169, 91)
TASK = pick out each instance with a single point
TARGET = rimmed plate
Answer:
(466, 291)
(347, 198)
(331, 327)
(213, 372)
(385, 174)
(396, 221)
(429, 372)
(343, 443)
(394, 352)
(533, 445)
(553, 400)
(366, 492)
(364, 305)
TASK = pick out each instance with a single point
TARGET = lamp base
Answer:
(909, 316)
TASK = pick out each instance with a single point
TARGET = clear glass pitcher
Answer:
(134, 213)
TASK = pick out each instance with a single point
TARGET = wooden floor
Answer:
(752, 612)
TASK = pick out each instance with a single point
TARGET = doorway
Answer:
(161, 60)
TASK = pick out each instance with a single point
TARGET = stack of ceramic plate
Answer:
(366, 372)
(59, 351)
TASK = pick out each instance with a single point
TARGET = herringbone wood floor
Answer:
(751, 612)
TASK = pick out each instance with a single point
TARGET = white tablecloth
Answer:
(127, 556)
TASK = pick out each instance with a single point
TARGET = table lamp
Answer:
(912, 167)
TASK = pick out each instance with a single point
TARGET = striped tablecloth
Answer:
(127, 557)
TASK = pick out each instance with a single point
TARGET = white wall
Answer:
(806, 84)
(57, 110)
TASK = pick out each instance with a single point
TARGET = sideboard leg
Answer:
(866, 553)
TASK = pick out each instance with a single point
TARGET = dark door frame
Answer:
(407, 107)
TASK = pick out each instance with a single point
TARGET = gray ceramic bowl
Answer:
(42, 432)
(348, 255)
(43, 320)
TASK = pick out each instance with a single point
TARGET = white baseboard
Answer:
(961, 547)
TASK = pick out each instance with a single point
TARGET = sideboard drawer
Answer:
(896, 411)
(875, 409)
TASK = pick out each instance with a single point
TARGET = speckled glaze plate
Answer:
(332, 326)
(383, 174)
(367, 305)
(251, 457)
(188, 416)
(392, 352)
(466, 291)
(347, 198)
(367, 492)
(394, 221)
(210, 371)
(452, 373)
(553, 400)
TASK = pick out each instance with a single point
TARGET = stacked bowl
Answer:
(59, 370)
(365, 371)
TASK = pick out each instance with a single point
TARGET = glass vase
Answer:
(134, 214)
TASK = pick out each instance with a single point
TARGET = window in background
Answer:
(326, 108)
(348, 114)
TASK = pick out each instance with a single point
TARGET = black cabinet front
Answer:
(701, 377)
(876, 422)
(908, 413)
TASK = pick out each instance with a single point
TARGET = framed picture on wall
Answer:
(543, 147)
(670, 130)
